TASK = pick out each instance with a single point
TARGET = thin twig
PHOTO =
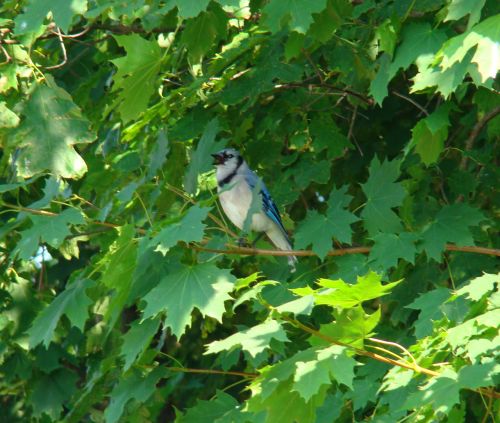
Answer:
(316, 69)
(378, 357)
(395, 344)
(360, 351)
(79, 34)
(351, 123)
(212, 372)
(409, 100)
(63, 48)
(8, 59)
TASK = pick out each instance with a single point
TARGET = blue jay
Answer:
(235, 184)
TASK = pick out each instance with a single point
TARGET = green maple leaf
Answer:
(351, 326)
(119, 263)
(318, 230)
(340, 294)
(63, 12)
(187, 8)
(202, 286)
(134, 386)
(200, 158)
(478, 375)
(200, 34)
(52, 391)
(254, 340)
(50, 229)
(459, 8)
(419, 41)
(478, 287)
(52, 125)
(137, 339)
(389, 248)
(189, 228)
(298, 14)
(326, 134)
(286, 406)
(314, 230)
(341, 218)
(430, 133)
(302, 305)
(137, 76)
(429, 305)
(450, 225)
(330, 363)
(8, 119)
(382, 195)
(73, 302)
(441, 392)
(447, 80)
(484, 37)
(216, 410)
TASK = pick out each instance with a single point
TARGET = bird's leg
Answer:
(242, 242)
(259, 236)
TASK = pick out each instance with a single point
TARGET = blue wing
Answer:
(268, 205)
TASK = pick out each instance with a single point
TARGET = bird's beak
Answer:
(218, 159)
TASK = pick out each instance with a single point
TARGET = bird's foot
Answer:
(242, 242)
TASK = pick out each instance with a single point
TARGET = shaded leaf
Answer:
(450, 225)
(72, 302)
(297, 13)
(52, 125)
(389, 248)
(137, 339)
(200, 158)
(382, 193)
(134, 386)
(50, 229)
(137, 76)
(189, 228)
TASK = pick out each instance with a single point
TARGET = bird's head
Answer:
(228, 158)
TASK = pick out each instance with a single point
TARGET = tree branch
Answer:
(246, 251)
(478, 127)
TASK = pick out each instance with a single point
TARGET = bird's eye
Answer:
(230, 156)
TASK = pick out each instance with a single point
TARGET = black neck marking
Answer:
(230, 177)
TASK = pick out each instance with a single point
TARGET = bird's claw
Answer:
(242, 242)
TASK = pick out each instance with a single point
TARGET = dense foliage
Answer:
(123, 293)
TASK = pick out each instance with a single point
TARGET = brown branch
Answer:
(478, 127)
(340, 91)
(8, 59)
(63, 48)
(212, 372)
(245, 251)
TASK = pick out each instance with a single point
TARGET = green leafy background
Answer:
(123, 293)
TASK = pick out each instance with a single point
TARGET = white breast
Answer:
(236, 201)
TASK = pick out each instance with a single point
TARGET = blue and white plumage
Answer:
(235, 184)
